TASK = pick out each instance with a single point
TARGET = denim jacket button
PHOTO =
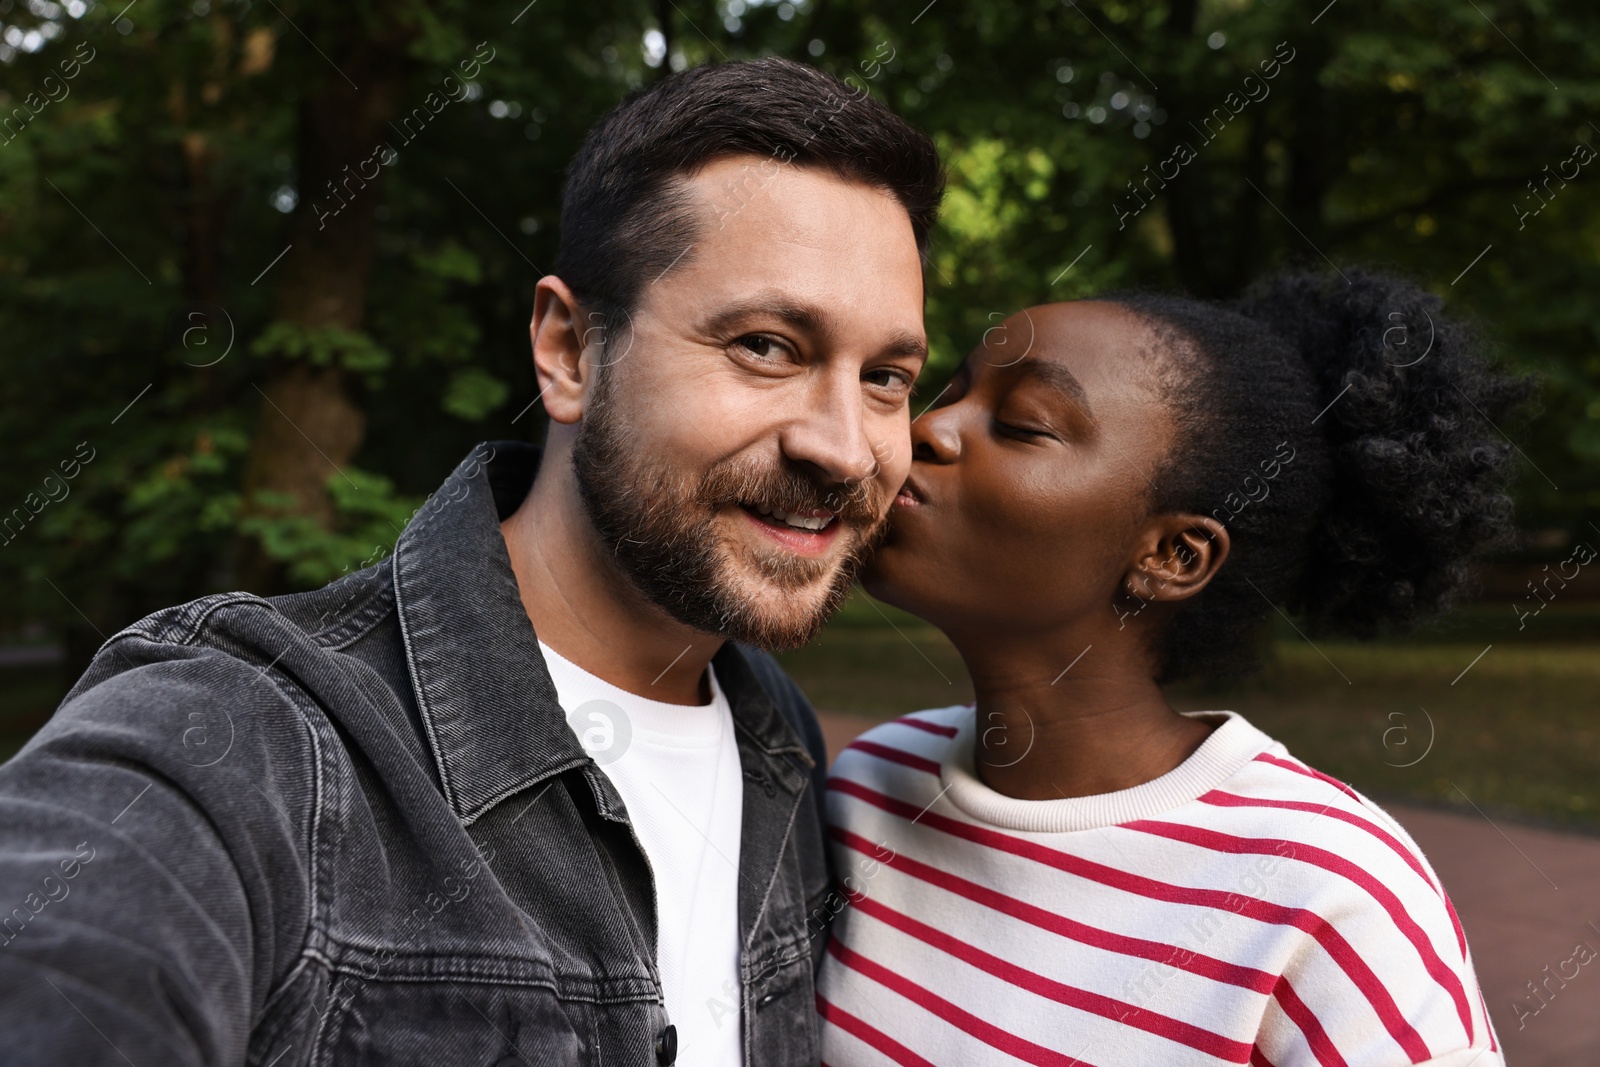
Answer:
(667, 1046)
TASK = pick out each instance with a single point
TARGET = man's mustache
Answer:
(861, 504)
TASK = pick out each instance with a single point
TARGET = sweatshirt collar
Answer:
(1230, 746)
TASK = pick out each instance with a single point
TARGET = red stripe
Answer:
(1455, 920)
(1219, 798)
(1448, 980)
(1257, 981)
(1175, 1030)
(1302, 1016)
(1310, 772)
(1259, 1058)
(1223, 799)
(1321, 1045)
(1198, 964)
(895, 755)
(1307, 922)
(871, 1035)
(991, 1035)
(924, 724)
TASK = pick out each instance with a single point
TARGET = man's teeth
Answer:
(799, 522)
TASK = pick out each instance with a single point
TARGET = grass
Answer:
(1517, 731)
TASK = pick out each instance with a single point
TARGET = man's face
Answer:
(740, 449)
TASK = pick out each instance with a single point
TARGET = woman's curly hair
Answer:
(1397, 473)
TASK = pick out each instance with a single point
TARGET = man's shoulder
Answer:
(235, 622)
(231, 649)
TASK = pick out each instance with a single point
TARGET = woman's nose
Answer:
(935, 436)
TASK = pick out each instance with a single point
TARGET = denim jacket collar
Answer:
(489, 708)
(488, 705)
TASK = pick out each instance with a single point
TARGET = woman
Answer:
(1115, 494)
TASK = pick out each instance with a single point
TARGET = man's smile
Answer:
(807, 533)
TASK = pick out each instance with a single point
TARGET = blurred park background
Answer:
(266, 270)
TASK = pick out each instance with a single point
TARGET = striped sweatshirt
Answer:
(1242, 908)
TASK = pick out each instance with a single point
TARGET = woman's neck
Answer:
(1045, 732)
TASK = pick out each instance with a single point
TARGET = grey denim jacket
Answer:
(353, 827)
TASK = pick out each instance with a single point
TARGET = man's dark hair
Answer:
(624, 218)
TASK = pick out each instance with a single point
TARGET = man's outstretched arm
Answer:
(151, 862)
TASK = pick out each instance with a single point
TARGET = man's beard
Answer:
(661, 529)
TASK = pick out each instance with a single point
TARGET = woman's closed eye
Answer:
(1022, 429)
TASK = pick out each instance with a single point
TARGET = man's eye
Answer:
(760, 345)
(889, 377)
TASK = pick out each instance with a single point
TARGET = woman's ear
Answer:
(1178, 558)
(559, 340)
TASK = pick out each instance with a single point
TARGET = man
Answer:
(358, 825)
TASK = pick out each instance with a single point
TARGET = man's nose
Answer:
(830, 434)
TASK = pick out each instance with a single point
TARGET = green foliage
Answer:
(369, 518)
(154, 180)
(474, 393)
(322, 346)
(449, 262)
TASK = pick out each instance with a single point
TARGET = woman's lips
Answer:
(910, 496)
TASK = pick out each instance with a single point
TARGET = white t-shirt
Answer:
(677, 768)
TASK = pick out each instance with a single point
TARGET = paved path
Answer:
(1527, 897)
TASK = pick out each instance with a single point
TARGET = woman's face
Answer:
(1031, 476)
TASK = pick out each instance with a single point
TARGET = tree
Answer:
(270, 265)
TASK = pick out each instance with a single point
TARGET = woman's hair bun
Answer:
(1410, 410)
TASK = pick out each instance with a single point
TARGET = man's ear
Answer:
(1178, 557)
(559, 338)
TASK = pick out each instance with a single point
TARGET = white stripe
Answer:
(1352, 1024)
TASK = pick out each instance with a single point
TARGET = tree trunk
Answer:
(1247, 261)
(1309, 147)
(1186, 193)
(311, 425)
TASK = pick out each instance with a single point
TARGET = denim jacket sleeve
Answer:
(151, 855)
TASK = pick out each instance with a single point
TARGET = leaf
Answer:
(473, 393)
